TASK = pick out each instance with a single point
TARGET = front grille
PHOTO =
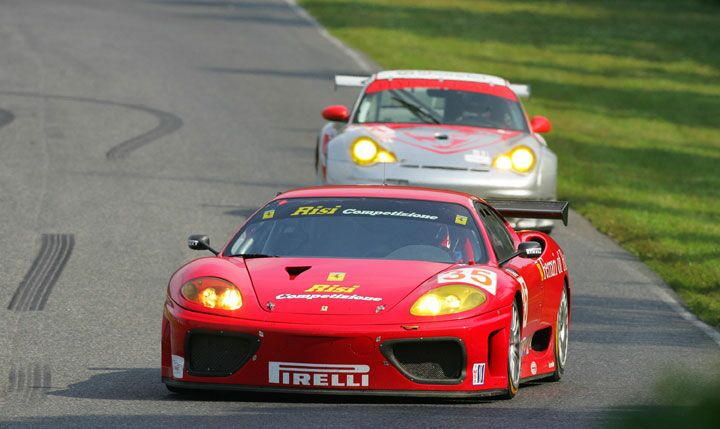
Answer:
(440, 167)
(428, 360)
(217, 353)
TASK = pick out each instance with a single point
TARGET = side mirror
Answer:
(540, 125)
(200, 242)
(337, 113)
(529, 249)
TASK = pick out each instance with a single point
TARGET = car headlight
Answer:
(448, 300)
(366, 152)
(520, 159)
(211, 292)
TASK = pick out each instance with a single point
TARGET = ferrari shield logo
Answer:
(336, 277)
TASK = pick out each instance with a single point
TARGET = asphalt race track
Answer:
(127, 125)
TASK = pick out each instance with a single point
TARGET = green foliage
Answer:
(632, 89)
(682, 400)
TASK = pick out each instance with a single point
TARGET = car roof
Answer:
(381, 191)
(440, 75)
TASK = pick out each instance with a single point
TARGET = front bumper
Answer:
(351, 359)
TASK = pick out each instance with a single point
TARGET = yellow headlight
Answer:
(521, 159)
(211, 292)
(503, 162)
(448, 300)
(367, 152)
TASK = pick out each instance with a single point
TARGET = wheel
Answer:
(514, 356)
(561, 337)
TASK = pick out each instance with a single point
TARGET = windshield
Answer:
(362, 228)
(412, 105)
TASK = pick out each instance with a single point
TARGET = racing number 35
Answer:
(475, 276)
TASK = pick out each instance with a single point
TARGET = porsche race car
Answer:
(372, 290)
(461, 131)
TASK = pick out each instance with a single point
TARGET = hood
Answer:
(446, 146)
(336, 286)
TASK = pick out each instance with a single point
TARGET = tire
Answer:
(562, 325)
(514, 354)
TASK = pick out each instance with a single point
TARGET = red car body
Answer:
(353, 346)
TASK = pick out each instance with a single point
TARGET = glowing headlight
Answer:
(367, 152)
(211, 292)
(448, 300)
(520, 159)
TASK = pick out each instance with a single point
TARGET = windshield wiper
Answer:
(418, 111)
(252, 255)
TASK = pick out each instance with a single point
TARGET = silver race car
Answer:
(460, 131)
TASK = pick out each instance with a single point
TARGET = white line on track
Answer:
(357, 57)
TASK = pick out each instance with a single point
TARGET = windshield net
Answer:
(414, 105)
(362, 228)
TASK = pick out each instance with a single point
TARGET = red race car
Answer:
(372, 290)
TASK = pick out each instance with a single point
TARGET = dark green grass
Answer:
(632, 89)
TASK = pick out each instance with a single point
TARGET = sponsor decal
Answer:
(524, 296)
(478, 157)
(478, 374)
(336, 277)
(551, 365)
(533, 368)
(484, 279)
(315, 210)
(178, 364)
(268, 214)
(523, 293)
(534, 251)
(332, 288)
(318, 375)
(395, 213)
(461, 220)
(551, 268)
(311, 296)
(324, 308)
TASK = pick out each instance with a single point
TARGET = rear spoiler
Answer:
(520, 90)
(350, 81)
(531, 209)
(347, 81)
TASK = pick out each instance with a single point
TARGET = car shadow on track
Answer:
(138, 384)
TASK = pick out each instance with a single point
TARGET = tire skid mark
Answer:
(167, 122)
(6, 117)
(35, 288)
(29, 382)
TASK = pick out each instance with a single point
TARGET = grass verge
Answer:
(632, 89)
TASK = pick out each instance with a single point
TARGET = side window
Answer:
(500, 238)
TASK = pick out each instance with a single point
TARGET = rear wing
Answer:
(520, 90)
(344, 81)
(348, 81)
(531, 209)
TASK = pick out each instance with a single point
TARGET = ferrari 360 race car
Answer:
(372, 290)
(461, 131)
